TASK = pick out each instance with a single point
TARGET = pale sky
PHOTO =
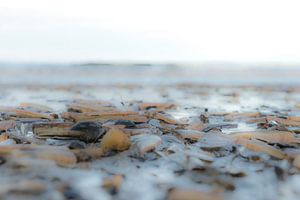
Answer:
(154, 30)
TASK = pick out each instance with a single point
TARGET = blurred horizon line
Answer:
(148, 63)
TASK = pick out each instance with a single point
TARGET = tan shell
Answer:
(61, 156)
(115, 139)
(259, 146)
(280, 137)
(296, 161)
(192, 194)
(102, 116)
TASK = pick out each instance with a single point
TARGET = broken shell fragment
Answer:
(103, 116)
(23, 186)
(115, 140)
(61, 156)
(259, 146)
(3, 137)
(123, 122)
(158, 106)
(113, 183)
(244, 115)
(8, 142)
(20, 113)
(214, 140)
(92, 131)
(86, 108)
(48, 129)
(296, 161)
(7, 124)
(279, 137)
(287, 122)
(164, 117)
(144, 143)
(85, 131)
(192, 194)
(190, 134)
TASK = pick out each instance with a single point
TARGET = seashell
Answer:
(244, 115)
(158, 106)
(290, 121)
(144, 143)
(23, 186)
(192, 194)
(86, 108)
(113, 183)
(115, 140)
(279, 137)
(20, 113)
(124, 122)
(259, 146)
(7, 124)
(164, 117)
(296, 161)
(104, 116)
(61, 156)
(85, 131)
(190, 134)
(7, 142)
(213, 140)
(91, 131)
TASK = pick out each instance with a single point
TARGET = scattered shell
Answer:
(92, 131)
(158, 106)
(165, 118)
(296, 161)
(87, 108)
(245, 115)
(214, 140)
(115, 140)
(279, 137)
(3, 137)
(218, 127)
(23, 186)
(123, 122)
(190, 134)
(47, 129)
(286, 122)
(8, 142)
(144, 143)
(61, 156)
(259, 146)
(192, 194)
(31, 114)
(8, 124)
(85, 131)
(104, 116)
(113, 183)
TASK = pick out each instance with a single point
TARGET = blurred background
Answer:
(156, 30)
(203, 36)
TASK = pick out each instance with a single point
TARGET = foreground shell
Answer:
(115, 140)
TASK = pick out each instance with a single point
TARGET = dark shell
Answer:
(93, 130)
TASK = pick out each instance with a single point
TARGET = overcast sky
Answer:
(154, 30)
